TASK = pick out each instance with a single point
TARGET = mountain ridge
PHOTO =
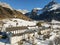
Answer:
(6, 12)
(49, 12)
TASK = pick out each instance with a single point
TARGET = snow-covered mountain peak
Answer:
(50, 5)
(37, 8)
(5, 5)
(55, 6)
(23, 11)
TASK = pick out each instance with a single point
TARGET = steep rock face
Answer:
(49, 5)
(21, 16)
(48, 16)
(34, 14)
(49, 12)
(6, 12)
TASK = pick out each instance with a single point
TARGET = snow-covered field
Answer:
(18, 22)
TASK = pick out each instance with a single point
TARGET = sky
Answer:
(27, 4)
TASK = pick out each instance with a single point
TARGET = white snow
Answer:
(54, 21)
(56, 24)
(37, 8)
(45, 24)
(3, 4)
(23, 11)
(52, 37)
(55, 6)
(13, 22)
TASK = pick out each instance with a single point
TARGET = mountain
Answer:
(6, 11)
(6, 5)
(49, 12)
(34, 14)
(49, 5)
(23, 11)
